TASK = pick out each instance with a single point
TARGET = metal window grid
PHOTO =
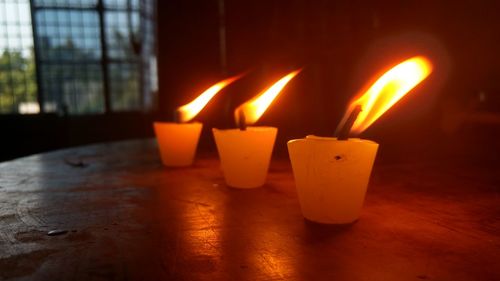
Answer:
(92, 56)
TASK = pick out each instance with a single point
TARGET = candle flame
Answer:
(255, 108)
(389, 89)
(190, 110)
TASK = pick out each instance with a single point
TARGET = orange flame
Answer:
(255, 108)
(190, 110)
(388, 90)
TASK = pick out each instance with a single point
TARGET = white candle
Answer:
(331, 176)
(245, 155)
(177, 142)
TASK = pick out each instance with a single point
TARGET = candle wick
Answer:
(344, 129)
(242, 122)
(177, 116)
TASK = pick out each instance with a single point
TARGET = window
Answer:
(92, 56)
(69, 57)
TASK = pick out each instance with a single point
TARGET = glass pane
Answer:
(70, 53)
(121, 34)
(148, 59)
(18, 88)
(124, 86)
(69, 48)
(66, 3)
(122, 4)
(75, 89)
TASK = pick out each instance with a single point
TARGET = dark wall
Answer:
(340, 45)
(28, 134)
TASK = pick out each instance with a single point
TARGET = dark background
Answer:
(340, 45)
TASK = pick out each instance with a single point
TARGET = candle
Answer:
(245, 153)
(332, 174)
(177, 141)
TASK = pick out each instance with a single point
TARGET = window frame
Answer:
(105, 61)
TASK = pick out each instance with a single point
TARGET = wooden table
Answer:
(129, 218)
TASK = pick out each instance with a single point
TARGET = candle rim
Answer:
(248, 128)
(166, 123)
(332, 139)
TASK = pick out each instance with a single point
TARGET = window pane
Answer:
(122, 4)
(118, 35)
(69, 48)
(124, 86)
(18, 89)
(66, 3)
(72, 88)
(70, 53)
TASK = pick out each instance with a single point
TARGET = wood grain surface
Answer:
(121, 215)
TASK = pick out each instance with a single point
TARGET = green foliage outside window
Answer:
(17, 80)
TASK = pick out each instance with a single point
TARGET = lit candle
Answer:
(332, 174)
(245, 153)
(177, 141)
